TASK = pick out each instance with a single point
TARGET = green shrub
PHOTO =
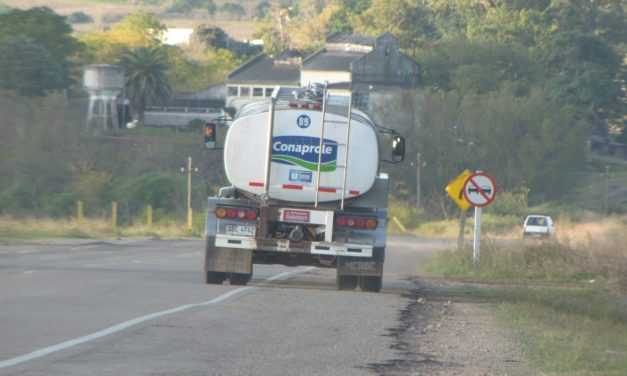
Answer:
(508, 203)
(62, 204)
(409, 216)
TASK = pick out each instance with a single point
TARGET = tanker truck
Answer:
(306, 189)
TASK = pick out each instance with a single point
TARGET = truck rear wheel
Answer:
(346, 282)
(371, 284)
(239, 279)
(215, 278)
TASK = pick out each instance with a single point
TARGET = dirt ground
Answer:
(444, 334)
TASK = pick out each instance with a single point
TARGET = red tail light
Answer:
(357, 222)
(249, 214)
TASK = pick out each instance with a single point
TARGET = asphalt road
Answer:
(140, 307)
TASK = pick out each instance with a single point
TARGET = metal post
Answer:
(418, 181)
(189, 193)
(476, 242)
(189, 171)
(606, 201)
(462, 229)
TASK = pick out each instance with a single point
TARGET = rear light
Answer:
(357, 222)
(236, 213)
(220, 212)
(293, 105)
(371, 224)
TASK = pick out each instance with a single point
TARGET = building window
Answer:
(269, 91)
(232, 91)
(258, 92)
(244, 92)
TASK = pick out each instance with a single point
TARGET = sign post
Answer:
(479, 191)
(455, 190)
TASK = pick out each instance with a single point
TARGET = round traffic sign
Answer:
(480, 189)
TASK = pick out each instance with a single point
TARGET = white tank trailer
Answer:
(306, 189)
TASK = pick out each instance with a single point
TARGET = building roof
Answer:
(264, 70)
(330, 61)
(364, 40)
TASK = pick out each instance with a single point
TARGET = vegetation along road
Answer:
(140, 307)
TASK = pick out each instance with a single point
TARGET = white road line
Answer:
(119, 327)
(81, 247)
(30, 271)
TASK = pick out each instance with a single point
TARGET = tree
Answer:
(146, 81)
(210, 36)
(135, 30)
(582, 70)
(313, 30)
(28, 68)
(47, 31)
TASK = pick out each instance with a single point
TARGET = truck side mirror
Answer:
(398, 149)
(210, 135)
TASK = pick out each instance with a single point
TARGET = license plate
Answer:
(240, 230)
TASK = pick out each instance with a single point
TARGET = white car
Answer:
(538, 226)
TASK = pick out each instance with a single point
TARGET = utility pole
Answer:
(606, 202)
(189, 171)
(418, 181)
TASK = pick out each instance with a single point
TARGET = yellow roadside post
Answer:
(114, 216)
(79, 213)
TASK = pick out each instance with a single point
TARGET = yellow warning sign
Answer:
(455, 190)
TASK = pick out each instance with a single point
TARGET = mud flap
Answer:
(361, 267)
(227, 259)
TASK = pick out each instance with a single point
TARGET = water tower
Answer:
(104, 83)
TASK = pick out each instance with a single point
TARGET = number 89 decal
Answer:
(303, 121)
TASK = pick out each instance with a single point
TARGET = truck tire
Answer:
(215, 278)
(239, 279)
(346, 282)
(371, 284)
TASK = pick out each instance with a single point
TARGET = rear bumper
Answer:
(287, 246)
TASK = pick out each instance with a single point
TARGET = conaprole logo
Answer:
(304, 151)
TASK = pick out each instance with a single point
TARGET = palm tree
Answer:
(146, 82)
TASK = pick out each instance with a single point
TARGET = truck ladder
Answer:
(322, 128)
(266, 182)
(348, 135)
(324, 112)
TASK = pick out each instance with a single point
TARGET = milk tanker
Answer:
(306, 190)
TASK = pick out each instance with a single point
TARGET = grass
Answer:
(45, 228)
(565, 299)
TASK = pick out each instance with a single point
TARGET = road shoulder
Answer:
(442, 333)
